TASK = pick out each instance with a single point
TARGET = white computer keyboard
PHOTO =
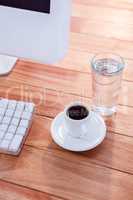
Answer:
(15, 121)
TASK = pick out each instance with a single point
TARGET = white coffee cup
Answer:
(77, 128)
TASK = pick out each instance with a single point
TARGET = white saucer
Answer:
(96, 134)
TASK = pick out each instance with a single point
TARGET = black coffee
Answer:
(77, 112)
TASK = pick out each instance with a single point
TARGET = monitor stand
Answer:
(6, 64)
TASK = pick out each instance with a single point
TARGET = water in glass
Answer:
(106, 85)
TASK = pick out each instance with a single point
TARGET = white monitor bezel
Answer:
(33, 35)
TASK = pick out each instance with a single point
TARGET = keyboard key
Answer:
(12, 104)
(26, 115)
(21, 130)
(15, 121)
(20, 105)
(29, 107)
(9, 112)
(2, 111)
(3, 103)
(2, 133)
(3, 127)
(24, 123)
(15, 144)
(12, 129)
(1, 118)
(5, 144)
(17, 114)
(6, 120)
(9, 136)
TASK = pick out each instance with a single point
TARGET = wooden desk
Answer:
(44, 171)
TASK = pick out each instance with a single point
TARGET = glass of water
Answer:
(107, 71)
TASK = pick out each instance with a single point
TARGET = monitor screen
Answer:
(34, 5)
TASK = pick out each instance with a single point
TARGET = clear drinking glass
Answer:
(107, 71)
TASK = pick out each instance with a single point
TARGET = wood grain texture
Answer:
(41, 131)
(119, 4)
(111, 153)
(103, 12)
(71, 177)
(108, 29)
(50, 102)
(15, 192)
(93, 44)
(55, 78)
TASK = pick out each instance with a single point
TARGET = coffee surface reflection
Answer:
(77, 112)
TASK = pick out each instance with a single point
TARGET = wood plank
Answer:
(54, 102)
(94, 44)
(119, 4)
(80, 61)
(48, 77)
(67, 175)
(111, 153)
(77, 61)
(15, 192)
(120, 123)
(84, 47)
(114, 22)
(54, 78)
(51, 102)
(103, 13)
(118, 31)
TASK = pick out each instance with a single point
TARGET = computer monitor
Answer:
(35, 29)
